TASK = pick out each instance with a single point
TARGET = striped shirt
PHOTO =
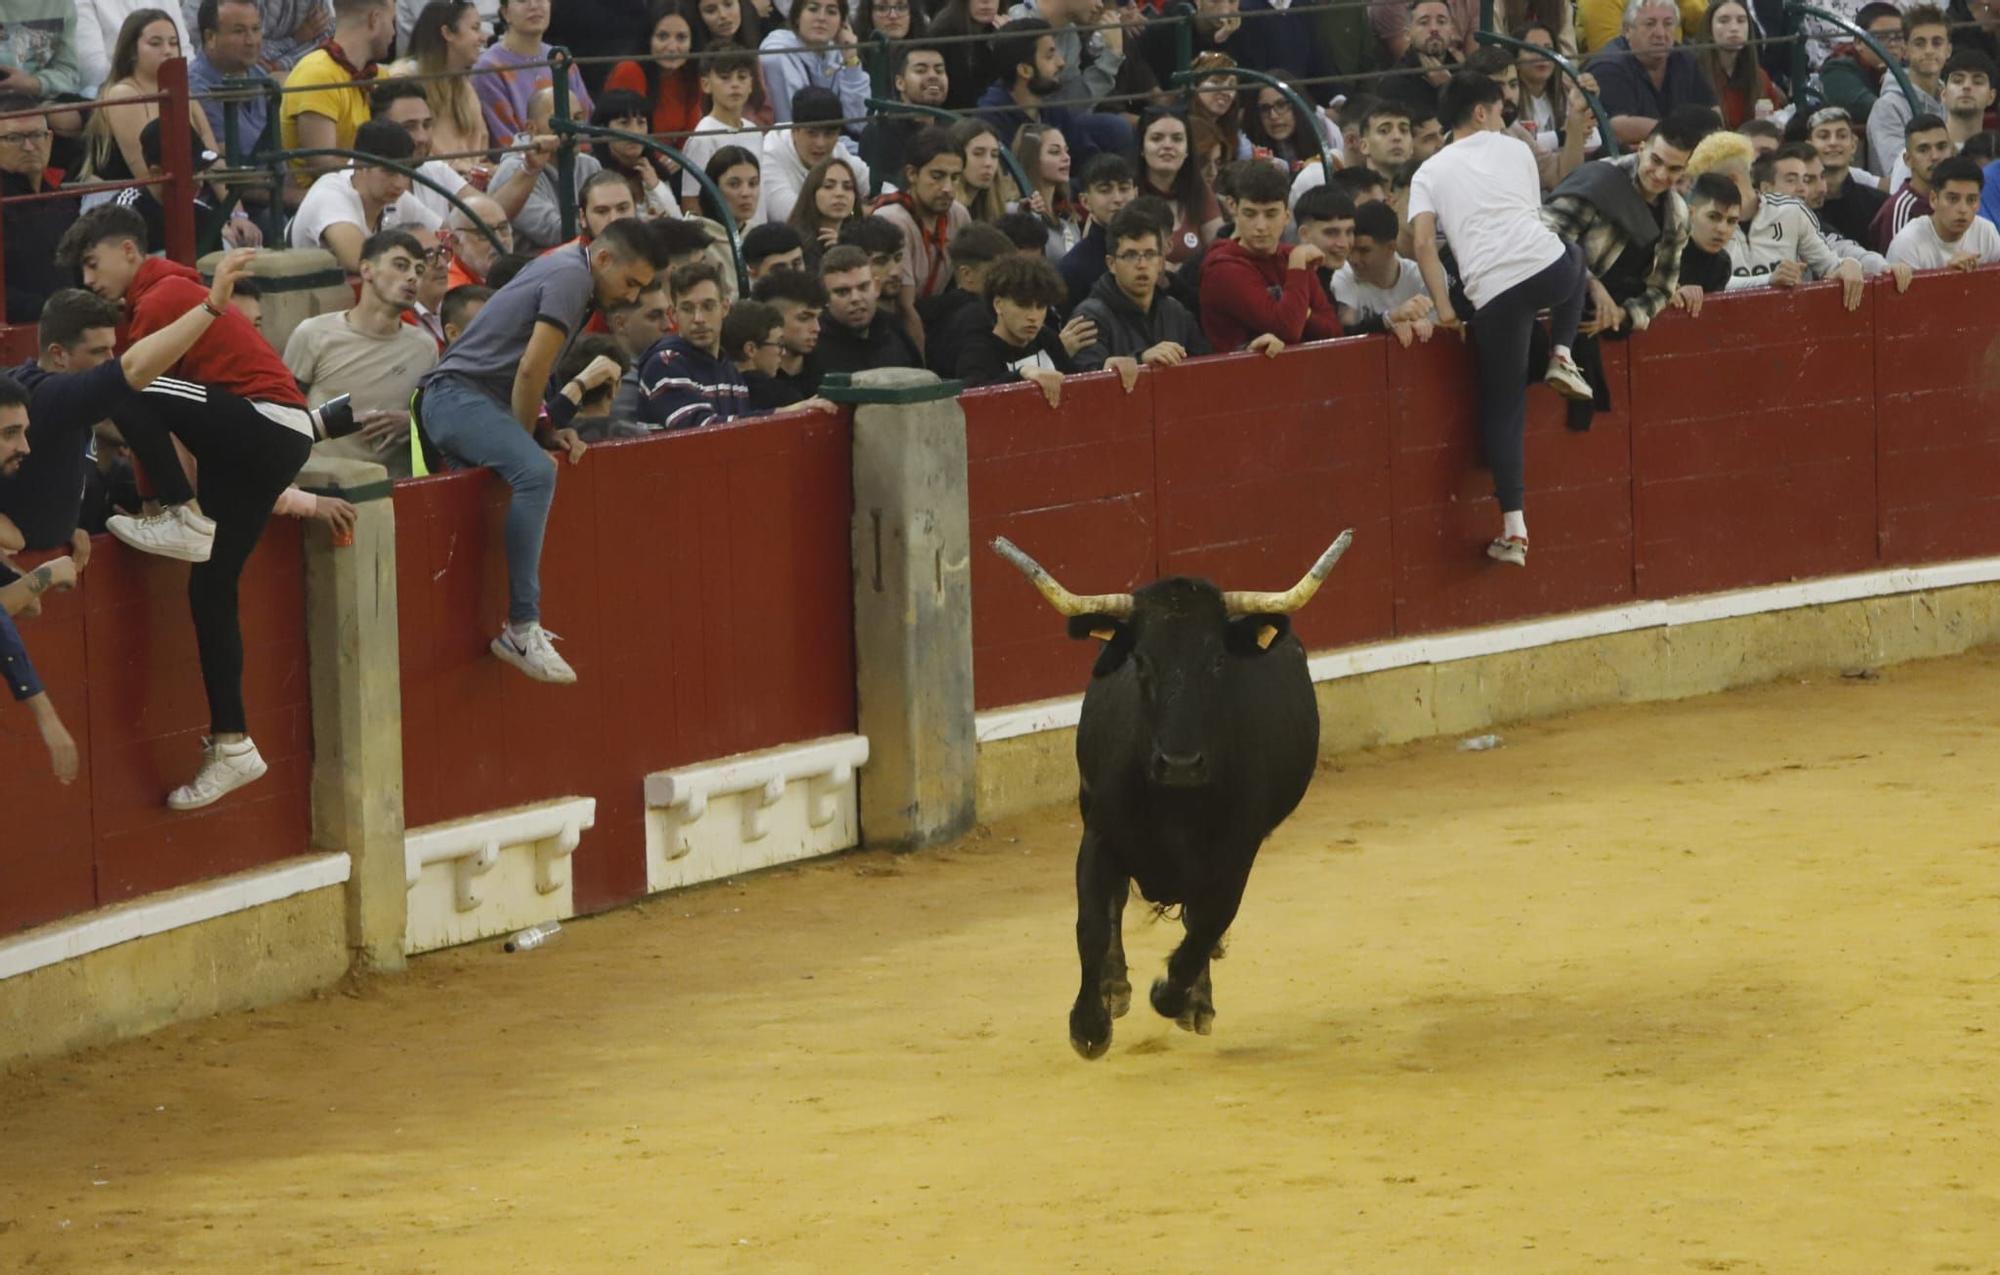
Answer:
(1904, 207)
(683, 387)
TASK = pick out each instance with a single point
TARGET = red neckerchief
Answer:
(339, 56)
(933, 236)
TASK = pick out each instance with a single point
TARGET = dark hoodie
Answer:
(882, 344)
(231, 354)
(1125, 331)
(1246, 294)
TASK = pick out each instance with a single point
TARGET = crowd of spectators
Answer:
(1320, 170)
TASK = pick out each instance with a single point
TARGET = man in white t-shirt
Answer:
(790, 154)
(369, 353)
(1954, 236)
(1482, 195)
(345, 207)
(1378, 289)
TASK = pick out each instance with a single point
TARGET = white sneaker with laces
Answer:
(1565, 379)
(174, 532)
(534, 655)
(224, 769)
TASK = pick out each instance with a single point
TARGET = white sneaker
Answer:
(1565, 379)
(533, 654)
(224, 769)
(174, 532)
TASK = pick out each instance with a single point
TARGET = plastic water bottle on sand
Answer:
(534, 936)
(1478, 743)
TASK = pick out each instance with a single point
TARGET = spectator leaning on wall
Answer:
(242, 417)
(482, 405)
(1257, 293)
(1482, 195)
(688, 380)
(1953, 236)
(1715, 206)
(1631, 225)
(1133, 318)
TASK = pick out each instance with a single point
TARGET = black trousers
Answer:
(246, 456)
(1501, 330)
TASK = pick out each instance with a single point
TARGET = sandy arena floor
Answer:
(1706, 986)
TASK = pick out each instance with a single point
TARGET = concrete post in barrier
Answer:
(354, 656)
(912, 607)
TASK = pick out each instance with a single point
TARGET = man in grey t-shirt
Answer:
(482, 404)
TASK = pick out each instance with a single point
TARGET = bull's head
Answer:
(1179, 635)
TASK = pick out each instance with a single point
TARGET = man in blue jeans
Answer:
(1482, 195)
(482, 404)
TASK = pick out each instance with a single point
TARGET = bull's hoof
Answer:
(1169, 1001)
(1117, 997)
(1199, 1019)
(1089, 1033)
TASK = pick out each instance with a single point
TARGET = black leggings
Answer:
(246, 459)
(1500, 334)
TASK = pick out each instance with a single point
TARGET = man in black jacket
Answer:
(1136, 320)
(1715, 206)
(959, 313)
(854, 335)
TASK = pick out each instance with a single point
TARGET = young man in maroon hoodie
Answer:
(1255, 292)
(238, 410)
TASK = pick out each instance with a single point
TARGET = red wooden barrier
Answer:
(1753, 442)
(119, 659)
(1253, 485)
(1937, 421)
(701, 585)
(1074, 488)
(1579, 506)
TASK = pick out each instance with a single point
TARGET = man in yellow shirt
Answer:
(328, 115)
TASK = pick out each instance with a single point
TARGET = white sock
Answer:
(519, 632)
(1514, 523)
(1562, 351)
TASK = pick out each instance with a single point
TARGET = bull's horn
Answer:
(1065, 602)
(1298, 595)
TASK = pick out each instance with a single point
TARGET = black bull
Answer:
(1199, 735)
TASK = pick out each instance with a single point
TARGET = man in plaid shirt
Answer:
(1631, 225)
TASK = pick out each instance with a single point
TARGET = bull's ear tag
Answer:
(1104, 635)
(1265, 636)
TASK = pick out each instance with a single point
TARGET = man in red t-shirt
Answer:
(240, 413)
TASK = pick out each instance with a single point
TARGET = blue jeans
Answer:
(473, 428)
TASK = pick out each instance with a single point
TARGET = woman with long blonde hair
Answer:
(447, 39)
(146, 41)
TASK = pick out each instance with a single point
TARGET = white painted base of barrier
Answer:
(156, 914)
(754, 810)
(1443, 648)
(492, 874)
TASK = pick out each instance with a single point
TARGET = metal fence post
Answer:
(176, 148)
(565, 143)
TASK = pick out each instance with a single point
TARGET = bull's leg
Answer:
(1116, 986)
(1207, 920)
(1090, 1018)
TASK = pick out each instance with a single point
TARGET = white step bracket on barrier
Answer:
(826, 765)
(472, 846)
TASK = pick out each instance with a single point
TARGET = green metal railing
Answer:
(1568, 72)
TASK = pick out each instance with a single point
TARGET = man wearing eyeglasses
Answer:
(31, 230)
